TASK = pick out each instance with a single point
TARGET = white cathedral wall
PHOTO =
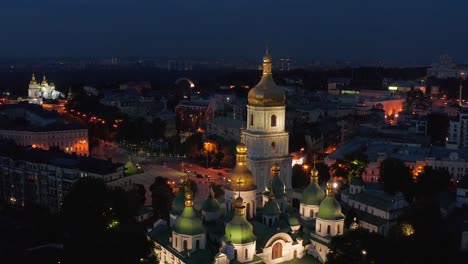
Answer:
(262, 118)
(308, 212)
(245, 252)
(178, 241)
(261, 171)
(249, 200)
(336, 227)
(319, 251)
(289, 251)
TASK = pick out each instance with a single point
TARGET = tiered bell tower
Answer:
(265, 136)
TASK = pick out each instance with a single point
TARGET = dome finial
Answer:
(267, 53)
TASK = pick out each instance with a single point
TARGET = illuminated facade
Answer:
(250, 232)
(31, 125)
(265, 136)
(42, 90)
(43, 177)
(190, 115)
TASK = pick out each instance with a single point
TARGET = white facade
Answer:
(250, 201)
(308, 212)
(268, 143)
(185, 242)
(280, 248)
(44, 90)
(241, 252)
(457, 135)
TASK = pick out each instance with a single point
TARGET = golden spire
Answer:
(267, 62)
(314, 174)
(188, 196)
(44, 80)
(331, 187)
(33, 79)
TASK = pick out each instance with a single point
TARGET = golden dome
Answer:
(266, 92)
(241, 177)
(33, 80)
(241, 148)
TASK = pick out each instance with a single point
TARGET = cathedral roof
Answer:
(211, 204)
(241, 177)
(188, 223)
(275, 184)
(178, 203)
(330, 209)
(266, 92)
(239, 230)
(313, 194)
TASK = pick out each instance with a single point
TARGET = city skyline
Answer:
(396, 32)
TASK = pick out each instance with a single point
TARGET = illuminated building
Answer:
(191, 115)
(376, 210)
(41, 90)
(31, 125)
(445, 68)
(31, 175)
(414, 155)
(265, 136)
(457, 134)
(244, 230)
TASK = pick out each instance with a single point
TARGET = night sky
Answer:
(396, 31)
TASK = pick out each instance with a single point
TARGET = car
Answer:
(198, 175)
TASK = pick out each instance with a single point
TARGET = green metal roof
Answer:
(179, 203)
(313, 194)
(330, 209)
(130, 168)
(277, 186)
(188, 223)
(211, 205)
(271, 208)
(239, 231)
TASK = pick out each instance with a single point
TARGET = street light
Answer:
(462, 77)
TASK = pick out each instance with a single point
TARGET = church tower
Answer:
(265, 136)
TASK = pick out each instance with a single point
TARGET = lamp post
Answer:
(363, 255)
(462, 77)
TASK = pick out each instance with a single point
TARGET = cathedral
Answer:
(41, 90)
(245, 228)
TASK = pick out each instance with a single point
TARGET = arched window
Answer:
(277, 251)
(328, 230)
(246, 254)
(185, 245)
(269, 222)
(295, 254)
(320, 227)
(302, 210)
(235, 253)
(176, 241)
(311, 212)
(273, 120)
(248, 211)
(251, 119)
(338, 229)
(197, 244)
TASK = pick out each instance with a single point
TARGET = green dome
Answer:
(293, 221)
(277, 186)
(313, 195)
(357, 181)
(130, 168)
(271, 208)
(188, 223)
(239, 231)
(330, 209)
(178, 204)
(211, 205)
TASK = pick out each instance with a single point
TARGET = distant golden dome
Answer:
(241, 148)
(266, 92)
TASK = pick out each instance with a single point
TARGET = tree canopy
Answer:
(100, 227)
(396, 177)
(358, 246)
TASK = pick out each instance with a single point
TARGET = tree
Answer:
(162, 197)
(396, 176)
(99, 226)
(358, 246)
(352, 165)
(432, 181)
